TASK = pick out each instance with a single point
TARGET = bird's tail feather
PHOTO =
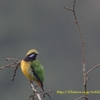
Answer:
(41, 85)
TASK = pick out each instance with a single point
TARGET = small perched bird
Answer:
(32, 68)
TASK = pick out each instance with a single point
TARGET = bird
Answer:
(32, 68)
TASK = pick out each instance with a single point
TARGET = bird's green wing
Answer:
(38, 71)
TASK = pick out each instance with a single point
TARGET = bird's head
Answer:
(31, 55)
(32, 51)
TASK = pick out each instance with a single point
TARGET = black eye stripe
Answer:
(30, 57)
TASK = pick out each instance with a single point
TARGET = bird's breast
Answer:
(26, 69)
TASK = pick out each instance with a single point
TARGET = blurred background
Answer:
(47, 27)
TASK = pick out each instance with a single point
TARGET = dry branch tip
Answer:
(70, 9)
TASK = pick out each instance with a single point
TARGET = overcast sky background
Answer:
(47, 27)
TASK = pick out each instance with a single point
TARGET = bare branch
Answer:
(80, 97)
(47, 93)
(81, 34)
(7, 59)
(82, 41)
(16, 68)
(92, 69)
(39, 95)
(70, 9)
(35, 91)
(9, 65)
(12, 65)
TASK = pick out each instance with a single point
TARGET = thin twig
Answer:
(81, 34)
(16, 68)
(12, 65)
(9, 65)
(70, 9)
(80, 97)
(31, 96)
(92, 69)
(35, 91)
(82, 41)
(7, 59)
(47, 93)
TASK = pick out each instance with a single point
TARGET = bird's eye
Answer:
(32, 55)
